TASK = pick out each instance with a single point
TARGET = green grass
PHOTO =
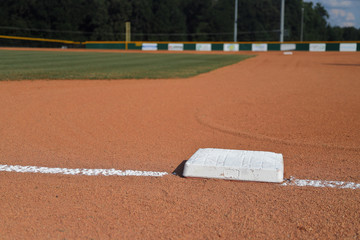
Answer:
(28, 65)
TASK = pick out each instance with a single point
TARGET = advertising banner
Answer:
(231, 47)
(259, 47)
(176, 47)
(203, 47)
(347, 47)
(317, 47)
(288, 47)
(149, 46)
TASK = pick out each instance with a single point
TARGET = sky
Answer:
(343, 13)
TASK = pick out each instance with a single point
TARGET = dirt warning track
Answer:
(305, 106)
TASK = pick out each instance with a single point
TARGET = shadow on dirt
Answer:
(179, 169)
(343, 64)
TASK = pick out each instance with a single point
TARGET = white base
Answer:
(235, 165)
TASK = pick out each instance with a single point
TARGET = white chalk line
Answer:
(114, 172)
(79, 171)
(320, 183)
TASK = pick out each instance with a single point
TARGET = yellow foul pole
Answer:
(128, 34)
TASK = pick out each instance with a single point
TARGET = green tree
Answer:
(259, 20)
(167, 20)
(119, 12)
(351, 33)
(141, 19)
(293, 20)
(315, 22)
(196, 12)
(221, 21)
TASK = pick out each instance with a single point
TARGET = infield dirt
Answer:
(305, 106)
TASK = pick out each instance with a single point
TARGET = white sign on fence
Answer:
(317, 47)
(176, 47)
(259, 47)
(347, 47)
(288, 47)
(203, 47)
(231, 47)
(149, 46)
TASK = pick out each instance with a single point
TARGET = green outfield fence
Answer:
(229, 46)
(17, 41)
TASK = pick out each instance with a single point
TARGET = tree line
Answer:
(168, 20)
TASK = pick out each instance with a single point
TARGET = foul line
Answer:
(113, 172)
(79, 171)
(320, 183)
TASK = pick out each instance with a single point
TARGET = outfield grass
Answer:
(22, 65)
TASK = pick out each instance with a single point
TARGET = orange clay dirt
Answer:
(305, 106)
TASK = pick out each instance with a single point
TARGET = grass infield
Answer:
(28, 65)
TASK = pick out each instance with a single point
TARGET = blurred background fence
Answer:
(165, 20)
